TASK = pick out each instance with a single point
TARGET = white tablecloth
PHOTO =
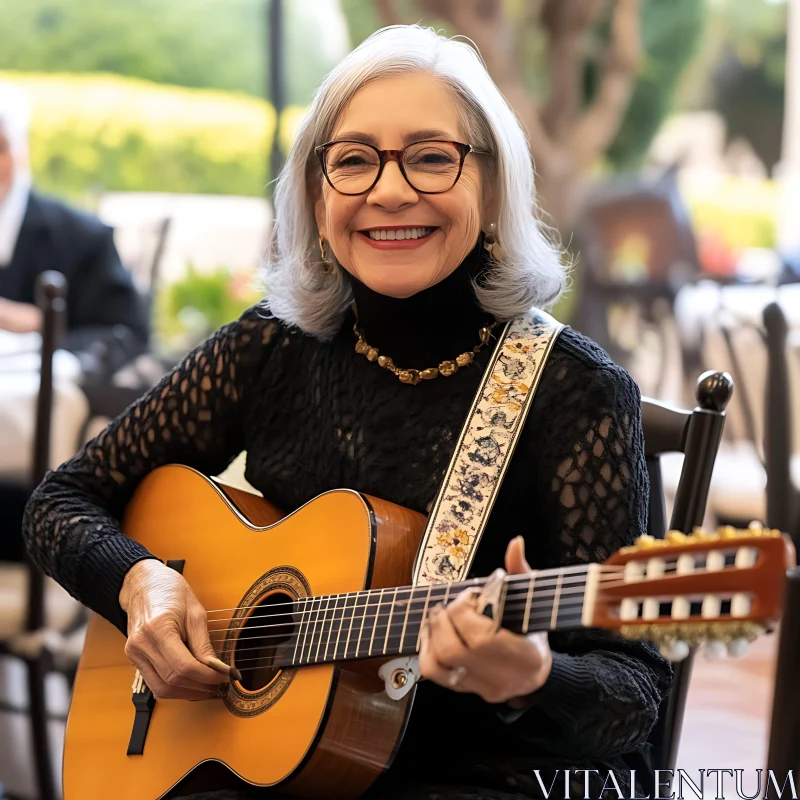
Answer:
(19, 388)
(699, 305)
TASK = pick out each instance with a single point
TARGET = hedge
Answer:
(97, 132)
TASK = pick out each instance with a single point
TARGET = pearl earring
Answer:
(490, 242)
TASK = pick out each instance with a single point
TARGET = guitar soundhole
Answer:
(262, 640)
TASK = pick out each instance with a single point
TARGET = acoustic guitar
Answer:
(315, 611)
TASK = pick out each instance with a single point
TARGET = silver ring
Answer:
(456, 676)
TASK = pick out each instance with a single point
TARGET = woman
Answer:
(410, 191)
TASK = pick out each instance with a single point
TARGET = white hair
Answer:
(528, 271)
(15, 115)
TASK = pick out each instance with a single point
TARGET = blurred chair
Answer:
(637, 250)
(783, 754)
(757, 474)
(781, 448)
(697, 435)
(39, 622)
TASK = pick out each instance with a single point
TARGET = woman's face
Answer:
(391, 113)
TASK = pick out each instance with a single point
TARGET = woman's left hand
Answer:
(465, 650)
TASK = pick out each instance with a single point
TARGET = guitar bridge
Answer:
(143, 699)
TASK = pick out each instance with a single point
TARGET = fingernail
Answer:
(235, 674)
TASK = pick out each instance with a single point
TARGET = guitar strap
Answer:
(483, 452)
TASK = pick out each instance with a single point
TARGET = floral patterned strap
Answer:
(484, 449)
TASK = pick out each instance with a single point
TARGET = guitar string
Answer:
(269, 663)
(539, 616)
(544, 573)
(517, 602)
(319, 614)
(302, 602)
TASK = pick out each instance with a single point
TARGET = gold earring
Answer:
(490, 243)
(327, 264)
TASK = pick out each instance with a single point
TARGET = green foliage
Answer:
(103, 132)
(219, 44)
(190, 309)
(671, 31)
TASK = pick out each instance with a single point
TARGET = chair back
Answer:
(51, 298)
(783, 754)
(783, 496)
(696, 434)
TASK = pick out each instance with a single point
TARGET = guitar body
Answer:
(323, 730)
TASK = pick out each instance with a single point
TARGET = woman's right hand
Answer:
(168, 634)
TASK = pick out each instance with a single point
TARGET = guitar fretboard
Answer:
(388, 622)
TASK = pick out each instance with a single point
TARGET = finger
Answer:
(179, 667)
(472, 628)
(166, 691)
(447, 646)
(199, 644)
(515, 557)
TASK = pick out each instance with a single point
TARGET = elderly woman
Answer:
(405, 218)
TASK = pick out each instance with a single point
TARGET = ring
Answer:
(456, 676)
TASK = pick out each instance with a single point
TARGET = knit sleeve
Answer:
(602, 697)
(192, 417)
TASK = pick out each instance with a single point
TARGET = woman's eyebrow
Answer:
(413, 136)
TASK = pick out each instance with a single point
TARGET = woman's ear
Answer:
(319, 214)
(491, 204)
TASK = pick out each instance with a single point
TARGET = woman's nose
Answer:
(392, 190)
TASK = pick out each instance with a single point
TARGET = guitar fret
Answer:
(409, 601)
(314, 606)
(302, 602)
(554, 616)
(389, 621)
(424, 612)
(352, 617)
(526, 620)
(363, 620)
(321, 621)
(375, 625)
(331, 619)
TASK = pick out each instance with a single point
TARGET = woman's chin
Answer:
(399, 289)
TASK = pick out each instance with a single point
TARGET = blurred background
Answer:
(666, 140)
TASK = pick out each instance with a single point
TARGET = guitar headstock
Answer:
(723, 589)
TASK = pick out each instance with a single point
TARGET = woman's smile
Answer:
(398, 237)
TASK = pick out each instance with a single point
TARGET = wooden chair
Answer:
(697, 435)
(37, 617)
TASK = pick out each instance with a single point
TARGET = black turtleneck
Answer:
(434, 325)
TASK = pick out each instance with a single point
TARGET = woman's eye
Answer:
(350, 161)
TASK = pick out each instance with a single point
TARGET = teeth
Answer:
(406, 233)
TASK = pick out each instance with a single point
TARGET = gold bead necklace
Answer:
(414, 376)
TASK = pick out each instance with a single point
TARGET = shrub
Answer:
(94, 132)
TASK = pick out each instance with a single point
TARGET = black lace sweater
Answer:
(315, 416)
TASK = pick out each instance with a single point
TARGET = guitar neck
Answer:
(388, 622)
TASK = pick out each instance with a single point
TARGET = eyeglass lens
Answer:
(430, 166)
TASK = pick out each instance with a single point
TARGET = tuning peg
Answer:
(676, 650)
(715, 649)
(738, 647)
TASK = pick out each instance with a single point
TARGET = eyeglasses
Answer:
(429, 167)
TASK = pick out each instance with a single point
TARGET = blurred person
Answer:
(405, 217)
(39, 233)
(106, 317)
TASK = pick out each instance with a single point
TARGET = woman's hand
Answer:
(464, 650)
(168, 634)
(19, 317)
